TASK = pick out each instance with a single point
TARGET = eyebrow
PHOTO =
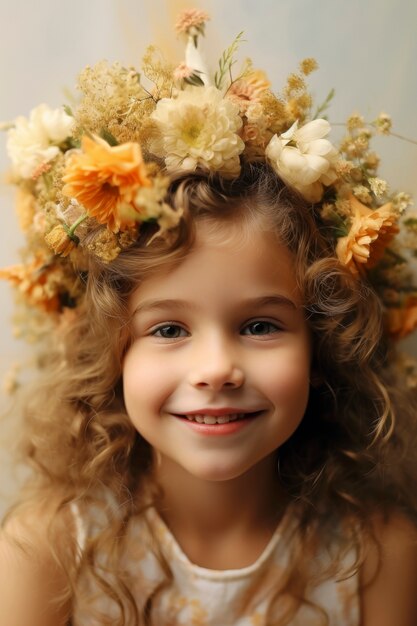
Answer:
(155, 305)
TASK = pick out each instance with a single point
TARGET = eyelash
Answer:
(160, 328)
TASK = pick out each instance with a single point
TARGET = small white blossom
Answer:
(402, 201)
(304, 159)
(35, 141)
(378, 186)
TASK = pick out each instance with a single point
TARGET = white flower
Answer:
(198, 128)
(36, 140)
(194, 59)
(304, 159)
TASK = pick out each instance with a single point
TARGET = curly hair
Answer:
(346, 459)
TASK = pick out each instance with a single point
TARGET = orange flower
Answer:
(37, 282)
(104, 178)
(370, 233)
(401, 321)
(248, 89)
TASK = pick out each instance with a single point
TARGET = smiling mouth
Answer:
(220, 419)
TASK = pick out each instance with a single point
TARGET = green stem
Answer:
(71, 231)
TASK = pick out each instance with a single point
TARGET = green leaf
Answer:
(226, 61)
(325, 105)
(68, 110)
(107, 136)
(195, 80)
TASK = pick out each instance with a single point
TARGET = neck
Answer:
(248, 504)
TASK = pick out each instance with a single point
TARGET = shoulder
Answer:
(389, 573)
(30, 577)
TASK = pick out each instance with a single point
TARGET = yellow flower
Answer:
(103, 178)
(370, 233)
(383, 123)
(308, 65)
(59, 241)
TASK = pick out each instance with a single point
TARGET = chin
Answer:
(215, 471)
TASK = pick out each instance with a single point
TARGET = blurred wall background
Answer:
(365, 50)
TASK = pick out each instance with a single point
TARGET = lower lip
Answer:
(219, 429)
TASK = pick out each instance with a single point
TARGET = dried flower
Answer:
(249, 89)
(378, 186)
(114, 99)
(182, 71)
(362, 193)
(59, 240)
(102, 178)
(371, 160)
(308, 65)
(295, 82)
(37, 281)
(103, 244)
(190, 20)
(25, 208)
(402, 201)
(355, 121)
(383, 123)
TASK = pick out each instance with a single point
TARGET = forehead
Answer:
(226, 263)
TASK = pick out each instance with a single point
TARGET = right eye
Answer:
(169, 331)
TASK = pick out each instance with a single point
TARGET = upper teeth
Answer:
(211, 419)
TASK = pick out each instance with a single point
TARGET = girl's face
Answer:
(220, 336)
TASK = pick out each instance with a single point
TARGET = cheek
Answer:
(288, 379)
(146, 383)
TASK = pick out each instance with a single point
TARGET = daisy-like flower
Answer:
(35, 141)
(198, 128)
(303, 159)
(190, 21)
(249, 89)
(370, 232)
(103, 178)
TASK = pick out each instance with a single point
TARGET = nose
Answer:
(216, 366)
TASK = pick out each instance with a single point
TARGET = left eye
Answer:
(260, 328)
(169, 331)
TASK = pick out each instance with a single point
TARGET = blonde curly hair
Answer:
(345, 460)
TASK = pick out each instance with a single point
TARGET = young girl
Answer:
(217, 439)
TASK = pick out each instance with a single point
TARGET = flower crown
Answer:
(89, 176)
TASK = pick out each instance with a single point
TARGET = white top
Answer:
(205, 597)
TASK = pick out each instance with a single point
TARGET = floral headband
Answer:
(89, 176)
